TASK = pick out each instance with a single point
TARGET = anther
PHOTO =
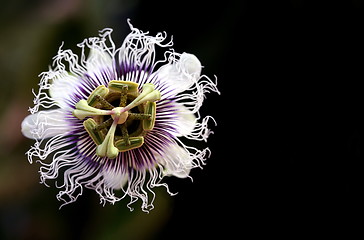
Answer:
(135, 142)
(118, 86)
(150, 109)
(94, 98)
(92, 129)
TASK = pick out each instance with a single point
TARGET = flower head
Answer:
(114, 120)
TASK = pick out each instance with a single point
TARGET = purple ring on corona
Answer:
(115, 121)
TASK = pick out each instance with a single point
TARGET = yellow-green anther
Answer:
(107, 148)
(135, 142)
(117, 85)
(91, 127)
(101, 91)
(150, 109)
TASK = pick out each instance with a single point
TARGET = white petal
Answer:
(97, 60)
(63, 85)
(181, 74)
(114, 180)
(177, 161)
(189, 64)
(44, 124)
(185, 121)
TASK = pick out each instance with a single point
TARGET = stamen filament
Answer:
(104, 103)
(125, 134)
(139, 116)
(105, 124)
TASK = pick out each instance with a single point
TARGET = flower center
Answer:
(122, 128)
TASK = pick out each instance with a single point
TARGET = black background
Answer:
(287, 149)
